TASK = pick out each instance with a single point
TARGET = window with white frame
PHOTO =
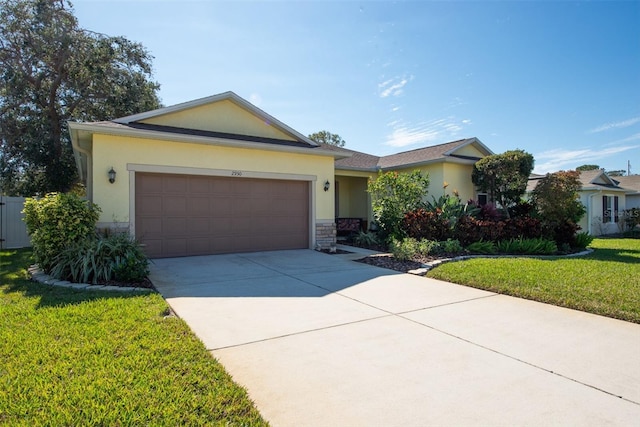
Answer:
(483, 199)
(609, 209)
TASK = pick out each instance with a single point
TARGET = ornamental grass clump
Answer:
(102, 259)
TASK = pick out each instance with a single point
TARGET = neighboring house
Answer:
(603, 199)
(631, 182)
(219, 175)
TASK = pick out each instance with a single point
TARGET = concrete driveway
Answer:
(319, 340)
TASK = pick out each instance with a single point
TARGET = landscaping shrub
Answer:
(366, 239)
(57, 221)
(429, 247)
(392, 195)
(470, 230)
(404, 249)
(409, 248)
(100, 260)
(582, 240)
(632, 218)
(489, 212)
(424, 224)
(451, 246)
(538, 246)
(563, 233)
(482, 247)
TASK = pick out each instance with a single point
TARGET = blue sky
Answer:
(560, 80)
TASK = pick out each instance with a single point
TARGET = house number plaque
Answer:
(236, 173)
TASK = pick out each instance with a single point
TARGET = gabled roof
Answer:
(160, 124)
(631, 182)
(433, 153)
(596, 179)
(450, 151)
(225, 96)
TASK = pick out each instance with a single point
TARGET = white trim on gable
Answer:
(471, 141)
(230, 96)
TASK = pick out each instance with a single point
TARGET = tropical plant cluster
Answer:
(545, 225)
(67, 246)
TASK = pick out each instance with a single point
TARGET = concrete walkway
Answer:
(319, 340)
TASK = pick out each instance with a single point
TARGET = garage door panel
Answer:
(199, 184)
(149, 183)
(174, 227)
(153, 247)
(199, 205)
(199, 246)
(149, 205)
(174, 205)
(179, 215)
(149, 227)
(198, 226)
(175, 184)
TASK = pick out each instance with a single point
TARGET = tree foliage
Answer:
(325, 137)
(557, 201)
(556, 197)
(587, 168)
(52, 71)
(504, 176)
(392, 195)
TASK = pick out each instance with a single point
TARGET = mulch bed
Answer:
(389, 262)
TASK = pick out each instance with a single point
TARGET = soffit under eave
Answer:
(602, 189)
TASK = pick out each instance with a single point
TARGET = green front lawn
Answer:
(103, 358)
(606, 282)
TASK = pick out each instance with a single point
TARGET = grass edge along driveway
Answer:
(606, 282)
(104, 358)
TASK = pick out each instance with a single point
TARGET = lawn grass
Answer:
(71, 357)
(606, 282)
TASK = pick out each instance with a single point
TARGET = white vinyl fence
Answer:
(13, 230)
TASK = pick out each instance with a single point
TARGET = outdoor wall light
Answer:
(326, 185)
(112, 175)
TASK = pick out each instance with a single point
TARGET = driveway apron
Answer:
(320, 340)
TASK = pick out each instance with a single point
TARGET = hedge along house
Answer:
(448, 165)
(214, 175)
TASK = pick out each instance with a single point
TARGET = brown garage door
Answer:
(184, 215)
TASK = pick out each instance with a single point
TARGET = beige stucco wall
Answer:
(456, 176)
(469, 150)
(353, 199)
(123, 152)
(221, 116)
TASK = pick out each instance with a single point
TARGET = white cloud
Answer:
(466, 122)
(393, 87)
(567, 159)
(616, 125)
(439, 130)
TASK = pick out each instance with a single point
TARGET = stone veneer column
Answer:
(325, 234)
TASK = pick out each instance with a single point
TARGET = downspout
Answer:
(590, 210)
